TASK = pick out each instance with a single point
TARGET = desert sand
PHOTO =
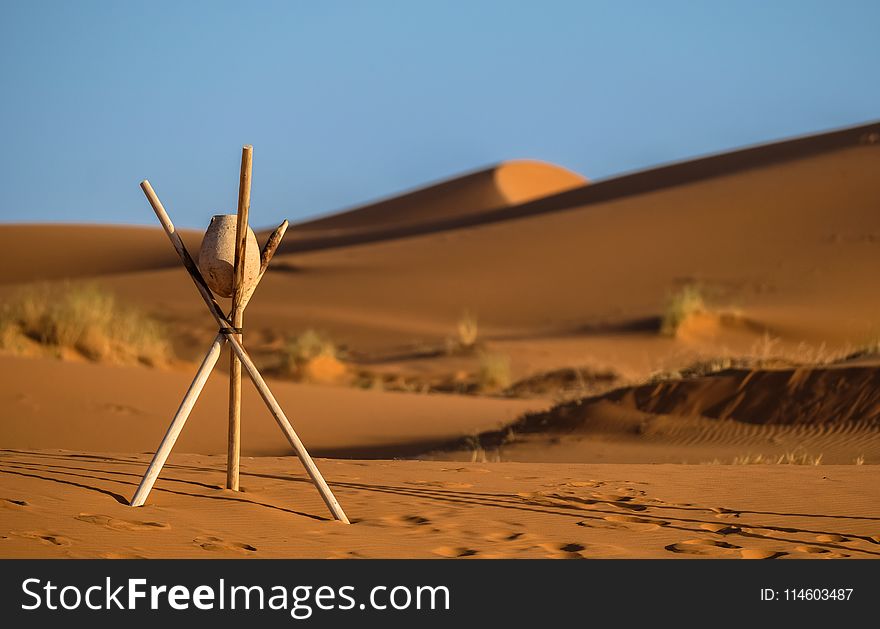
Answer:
(64, 504)
(749, 431)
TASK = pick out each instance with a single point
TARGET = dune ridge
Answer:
(685, 172)
(796, 415)
(805, 395)
(503, 185)
(515, 189)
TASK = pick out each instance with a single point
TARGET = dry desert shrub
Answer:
(789, 458)
(308, 345)
(313, 357)
(494, 372)
(468, 330)
(84, 318)
(686, 301)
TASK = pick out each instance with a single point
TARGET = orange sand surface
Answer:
(65, 504)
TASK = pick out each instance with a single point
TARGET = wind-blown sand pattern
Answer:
(567, 280)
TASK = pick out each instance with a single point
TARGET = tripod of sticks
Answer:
(229, 332)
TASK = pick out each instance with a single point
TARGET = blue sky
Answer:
(345, 102)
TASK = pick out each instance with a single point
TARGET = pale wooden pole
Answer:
(238, 292)
(186, 406)
(243, 356)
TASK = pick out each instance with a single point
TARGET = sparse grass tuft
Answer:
(686, 301)
(869, 347)
(467, 331)
(84, 318)
(478, 454)
(314, 357)
(308, 345)
(789, 458)
(494, 372)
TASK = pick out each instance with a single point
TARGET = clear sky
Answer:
(345, 102)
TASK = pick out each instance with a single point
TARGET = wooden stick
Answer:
(187, 260)
(272, 245)
(238, 293)
(265, 257)
(289, 432)
(246, 361)
(186, 406)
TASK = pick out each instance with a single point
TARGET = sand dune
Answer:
(57, 252)
(753, 226)
(836, 395)
(505, 185)
(790, 243)
(793, 416)
(754, 236)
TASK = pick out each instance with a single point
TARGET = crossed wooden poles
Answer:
(229, 332)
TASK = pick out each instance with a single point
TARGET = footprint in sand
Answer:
(722, 512)
(406, 520)
(635, 523)
(506, 536)
(812, 550)
(702, 547)
(559, 500)
(46, 538)
(215, 544)
(351, 554)
(611, 497)
(543, 499)
(9, 503)
(121, 409)
(720, 529)
(831, 538)
(115, 524)
(755, 553)
(630, 506)
(570, 550)
(454, 552)
(121, 555)
(820, 551)
(442, 485)
(621, 501)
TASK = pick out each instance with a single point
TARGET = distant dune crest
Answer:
(506, 184)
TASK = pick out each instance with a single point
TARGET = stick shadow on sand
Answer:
(58, 469)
